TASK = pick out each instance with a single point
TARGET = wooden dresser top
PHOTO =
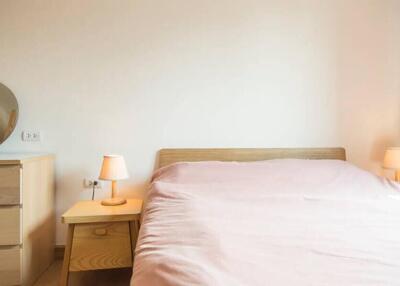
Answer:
(20, 158)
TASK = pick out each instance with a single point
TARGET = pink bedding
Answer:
(278, 222)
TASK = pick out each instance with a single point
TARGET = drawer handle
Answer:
(100, 231)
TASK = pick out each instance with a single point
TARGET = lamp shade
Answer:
(392, 158)
(113, 168)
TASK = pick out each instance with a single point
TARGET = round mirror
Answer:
(8, 112)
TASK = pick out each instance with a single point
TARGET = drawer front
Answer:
(101, 246)
(10, 266)
(10, 184)
(10, 225)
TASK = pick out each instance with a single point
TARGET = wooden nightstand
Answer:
(100, 237)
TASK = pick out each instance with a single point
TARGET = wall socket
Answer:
(88, 183)
(31, 136)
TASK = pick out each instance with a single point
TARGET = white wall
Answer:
(132, 77)
(368, 82)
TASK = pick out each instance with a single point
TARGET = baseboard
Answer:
(59, 251)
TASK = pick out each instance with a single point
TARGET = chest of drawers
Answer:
(27, 217)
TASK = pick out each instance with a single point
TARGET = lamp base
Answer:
(397, 176)
(113, 202)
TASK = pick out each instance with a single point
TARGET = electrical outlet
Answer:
(31, 136)
(88, 183)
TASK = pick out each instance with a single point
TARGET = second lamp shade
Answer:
(113, 168)
(392, 158)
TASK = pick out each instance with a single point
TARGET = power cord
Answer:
(95, 183)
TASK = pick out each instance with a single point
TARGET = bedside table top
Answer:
(94, 211)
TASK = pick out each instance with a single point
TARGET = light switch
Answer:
(31, 136)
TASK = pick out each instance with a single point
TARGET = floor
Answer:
(117, 277)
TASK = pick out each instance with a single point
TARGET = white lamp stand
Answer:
(392, 161)
(113, 169)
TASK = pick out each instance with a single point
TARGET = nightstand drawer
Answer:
(10, 225)
(10, 185)
(10, 265)
(101, 246)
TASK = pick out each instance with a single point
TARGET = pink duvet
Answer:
(278, 222)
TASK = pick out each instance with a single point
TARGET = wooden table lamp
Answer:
(392, 161)
(113, 169)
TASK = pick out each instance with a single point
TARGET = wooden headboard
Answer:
(169, 156)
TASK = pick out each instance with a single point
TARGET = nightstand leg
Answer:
(134, 231)
(67, 256)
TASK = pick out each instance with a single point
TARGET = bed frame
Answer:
(169, 156)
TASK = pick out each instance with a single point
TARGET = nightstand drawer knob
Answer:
(100, 231)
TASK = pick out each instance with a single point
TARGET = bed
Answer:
(267, 217)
